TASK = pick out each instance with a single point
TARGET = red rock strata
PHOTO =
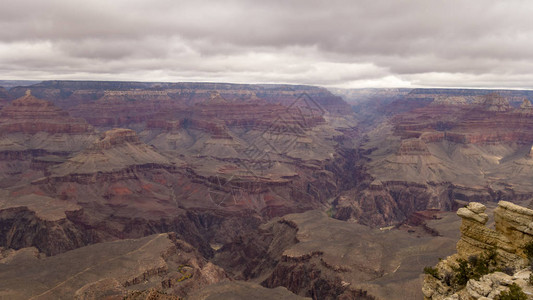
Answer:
(31, 115)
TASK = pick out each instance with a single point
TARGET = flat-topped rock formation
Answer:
(118, 149)
(45, 208)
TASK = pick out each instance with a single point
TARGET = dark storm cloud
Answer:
(337, 43)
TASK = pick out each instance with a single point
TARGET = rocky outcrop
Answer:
(526, 107)
(516, 223)
(507, 241)
(476, 237)
(495, 102)
(116, 138)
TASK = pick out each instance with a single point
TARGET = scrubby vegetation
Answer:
(474, 267)
(515, 293)
(528, 250)
(431, 271)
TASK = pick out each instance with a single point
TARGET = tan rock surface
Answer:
(508, 238)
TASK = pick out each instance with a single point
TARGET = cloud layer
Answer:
(476, 43)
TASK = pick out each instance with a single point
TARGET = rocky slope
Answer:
(452, 149)
(116, 270)
(317, 256)
(508, 241)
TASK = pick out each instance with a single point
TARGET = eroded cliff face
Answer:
(35, 135)
(511, 233)
(447, 146)
(207, 164)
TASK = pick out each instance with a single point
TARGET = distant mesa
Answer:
(526, 107)
(116, 137)
(449, 100)
(29, 114)
(216, 98)
(495, 102)
(117, 150)
(526, 104)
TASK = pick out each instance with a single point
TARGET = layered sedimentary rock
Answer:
(429, 96)
(160, 264)
(34, 134)
(413, 147)
(39, 221)
(476, 237)
(458, 146)
(30, 124)
(512, 232)
(526, 106)
(122, 108)
(488, 120)
(31, 115)
(208, 161)
(69, 94)
(117, 150)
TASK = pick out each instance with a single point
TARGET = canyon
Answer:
(215, 190)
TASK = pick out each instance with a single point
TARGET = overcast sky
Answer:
(375, 43)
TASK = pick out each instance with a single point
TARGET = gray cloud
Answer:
(475, 43)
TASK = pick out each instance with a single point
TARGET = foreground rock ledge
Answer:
(513, 230)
